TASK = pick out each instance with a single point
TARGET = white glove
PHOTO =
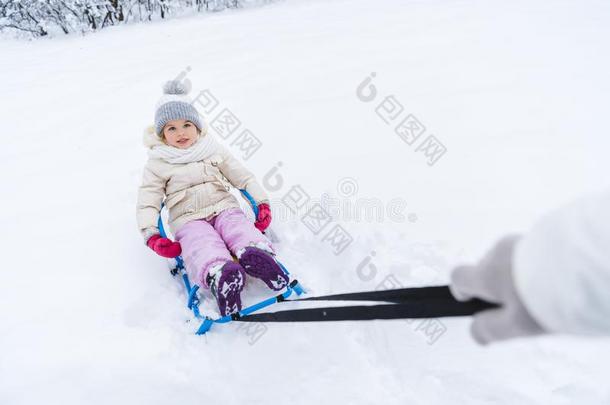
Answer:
(491, 280)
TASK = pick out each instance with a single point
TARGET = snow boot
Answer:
(261, 264)
(226, 285)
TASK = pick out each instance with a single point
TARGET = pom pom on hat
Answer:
(174, 87)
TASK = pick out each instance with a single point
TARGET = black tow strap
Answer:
(423, 302)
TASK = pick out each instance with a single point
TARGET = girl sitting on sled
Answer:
(190, 170)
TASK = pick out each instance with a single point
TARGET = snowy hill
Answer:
(516, 93)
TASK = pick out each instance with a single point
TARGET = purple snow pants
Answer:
(206, 243)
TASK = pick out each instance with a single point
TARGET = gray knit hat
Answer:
(175, 105)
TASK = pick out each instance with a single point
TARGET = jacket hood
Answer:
(150, 138)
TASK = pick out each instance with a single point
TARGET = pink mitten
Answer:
(264, 217)
(164, 247)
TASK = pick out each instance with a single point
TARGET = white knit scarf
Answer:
(203, 148)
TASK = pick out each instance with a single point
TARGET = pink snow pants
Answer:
(206, 243)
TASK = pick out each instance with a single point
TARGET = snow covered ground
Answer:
(517, 93)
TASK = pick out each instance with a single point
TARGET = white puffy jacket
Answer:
(193, 190)
(562, 268)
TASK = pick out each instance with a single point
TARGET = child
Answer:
(188, 168)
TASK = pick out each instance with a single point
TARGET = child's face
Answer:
(180, 133)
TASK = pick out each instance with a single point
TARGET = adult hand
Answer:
(492, 280)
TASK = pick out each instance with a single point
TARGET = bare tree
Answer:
(43, 17)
